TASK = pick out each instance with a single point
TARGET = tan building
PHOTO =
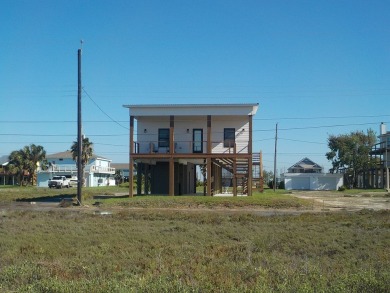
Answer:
(172, 140)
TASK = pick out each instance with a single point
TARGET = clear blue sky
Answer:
(320, 66)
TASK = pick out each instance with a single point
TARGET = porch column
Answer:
(250, 176)
(209, 147)
(171, 152)
(131, 161)
(234, 171)
(250, 158)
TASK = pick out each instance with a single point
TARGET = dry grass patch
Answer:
(175, 251)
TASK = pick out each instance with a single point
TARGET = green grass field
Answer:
(150, 249)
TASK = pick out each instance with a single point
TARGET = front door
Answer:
(197, 139)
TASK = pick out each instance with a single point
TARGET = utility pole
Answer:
(386, 166)
(261, 175)
(276, 146)
(80, 174)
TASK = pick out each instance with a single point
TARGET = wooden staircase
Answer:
(242, 171)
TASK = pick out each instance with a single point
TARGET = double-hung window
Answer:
(229, 137)
(163, 137)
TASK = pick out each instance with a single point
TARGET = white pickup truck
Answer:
(59, 182)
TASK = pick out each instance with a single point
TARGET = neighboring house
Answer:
(122, 169)
(172, 140)
(5, 177)
(305, 166)
(98, 172)
(307, 175)
(378, 177)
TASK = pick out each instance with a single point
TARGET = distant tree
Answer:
(350, 152)
(118, 177)
(24, 163)
(268, 176)
(86, 153)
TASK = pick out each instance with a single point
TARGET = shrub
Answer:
(342, 188)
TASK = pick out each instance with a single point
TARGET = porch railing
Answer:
(185, 147)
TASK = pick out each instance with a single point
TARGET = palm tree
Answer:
(24, 162)
(86, 153)
(36, 154)
(16, 165)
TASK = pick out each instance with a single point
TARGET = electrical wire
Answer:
(113, 120)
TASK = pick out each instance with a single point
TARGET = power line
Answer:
(59, 135)
(305, 141)
(113, 120)
(323, 126)
(320, 117)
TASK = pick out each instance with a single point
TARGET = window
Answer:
(197, 137)
(228, 137)
(163, 137)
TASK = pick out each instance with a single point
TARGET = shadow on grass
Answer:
(48, 199)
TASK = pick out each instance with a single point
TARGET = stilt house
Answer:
(169, 143)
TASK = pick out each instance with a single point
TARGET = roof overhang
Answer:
(192, 109)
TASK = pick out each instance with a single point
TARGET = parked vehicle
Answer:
(59, 182)
(73, 182)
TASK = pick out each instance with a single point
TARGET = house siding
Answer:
(184, 140)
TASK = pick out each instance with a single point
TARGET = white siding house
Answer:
(307, 175)
(171, 140)
(98, 172)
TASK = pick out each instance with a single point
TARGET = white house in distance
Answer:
(98, 172)
(307, 175)
(171, 140)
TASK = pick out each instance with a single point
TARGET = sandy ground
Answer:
(333, 201)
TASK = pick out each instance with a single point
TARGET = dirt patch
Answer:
(322, 201)
(332, 200)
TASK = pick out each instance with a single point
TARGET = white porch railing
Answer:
(60, 168)
(73, 169)
(100, 169)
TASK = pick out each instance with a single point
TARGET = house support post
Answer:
(131, 161)
(146, 179)
(171, 152)
(234, 171)
(234, 177)
(209, 177)
(140, 168)
(250, 174)
(208, 160)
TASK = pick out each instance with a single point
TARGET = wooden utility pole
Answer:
(79, 133)
(276, 146)
(131, 160)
